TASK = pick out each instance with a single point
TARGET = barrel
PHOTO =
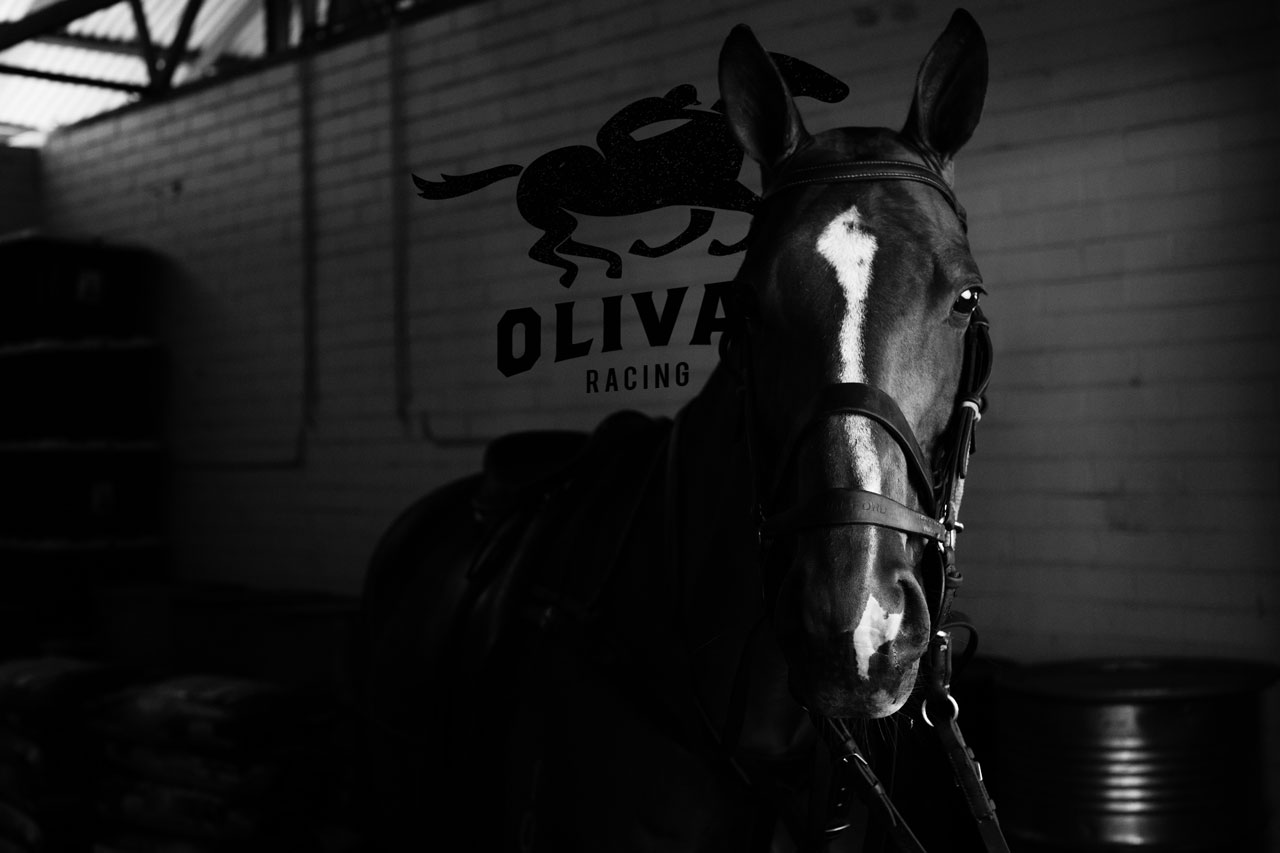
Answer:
(1135, 754)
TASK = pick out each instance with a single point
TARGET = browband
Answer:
(843, 171)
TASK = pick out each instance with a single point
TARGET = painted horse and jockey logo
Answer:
(695, 165)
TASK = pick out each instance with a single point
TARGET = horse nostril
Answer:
(884, 648)
(915, 610)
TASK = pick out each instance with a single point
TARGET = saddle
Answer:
(553, 506)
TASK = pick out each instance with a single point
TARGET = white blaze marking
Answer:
(850, 250)
(877, 627)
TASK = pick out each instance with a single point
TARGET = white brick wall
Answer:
(1119, 187)
(20, 206)
(1121, 193)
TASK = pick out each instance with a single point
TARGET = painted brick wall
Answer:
(1121, 193)
(19, 189)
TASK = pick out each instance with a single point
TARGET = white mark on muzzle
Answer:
(851, 250)
(876, 627)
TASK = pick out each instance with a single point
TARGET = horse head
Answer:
(858, 278)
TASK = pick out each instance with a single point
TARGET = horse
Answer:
(695, 164)
(729, 629)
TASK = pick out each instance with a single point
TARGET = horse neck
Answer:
(712, 492)
(697, 497)
(713, 523)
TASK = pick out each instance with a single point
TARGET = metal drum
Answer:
(1133, 753)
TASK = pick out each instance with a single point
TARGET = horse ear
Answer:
(950, 90)
(760, 110)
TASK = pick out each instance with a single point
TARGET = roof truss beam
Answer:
(216, 43)
(148, 49)
(71, 78)
(168, 63)
(48, 19)
(118, 47)
(161, 62)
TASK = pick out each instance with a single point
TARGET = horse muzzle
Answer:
(833, 688)
(853, 640)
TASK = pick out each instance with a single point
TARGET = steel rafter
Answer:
(164, 72)
(49, 22)
(144, 39)
(72, 78)
(48, 19)
(118, 47)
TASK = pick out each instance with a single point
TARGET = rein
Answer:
(940, 490)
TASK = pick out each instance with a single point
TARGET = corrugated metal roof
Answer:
(163, 18)
(41, 105)
(104, 46)
(68, 60)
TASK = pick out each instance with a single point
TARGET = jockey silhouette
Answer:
(694, 165)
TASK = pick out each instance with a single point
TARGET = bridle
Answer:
(939, 489)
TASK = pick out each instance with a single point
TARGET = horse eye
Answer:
(967, 300)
